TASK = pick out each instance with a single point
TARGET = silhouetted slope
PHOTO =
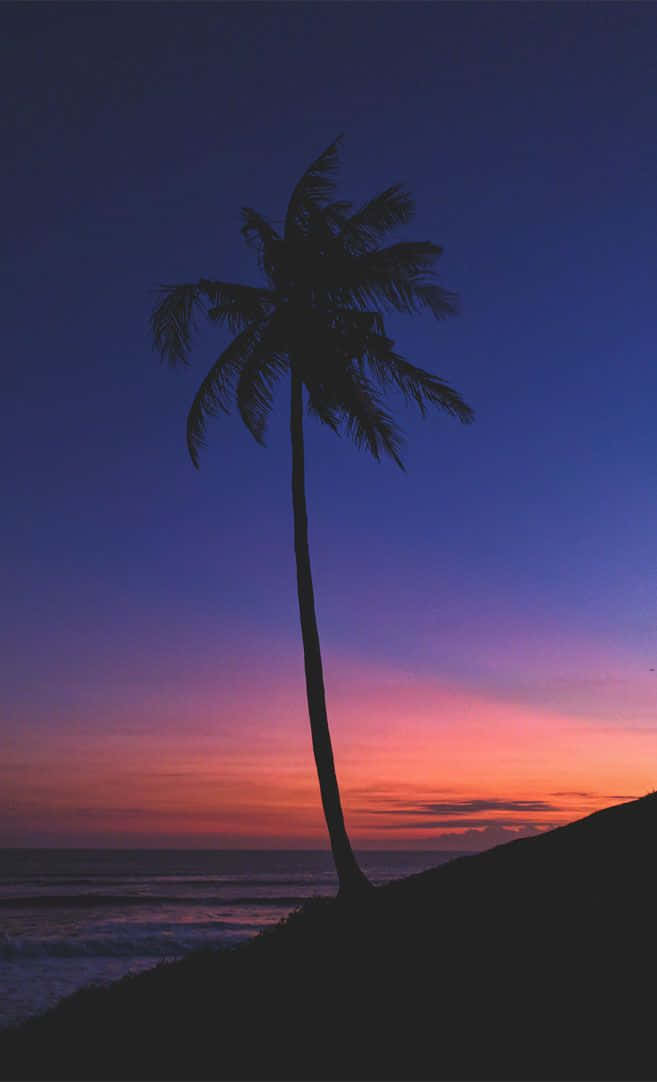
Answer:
(528, 961)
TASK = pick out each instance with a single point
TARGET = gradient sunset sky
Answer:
(489, 618)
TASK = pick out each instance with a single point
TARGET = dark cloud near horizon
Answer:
(474, 824)
(594, 796)
(478, 840)
(467, 807)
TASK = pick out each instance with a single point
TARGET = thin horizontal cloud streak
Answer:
(459, 808)
(451, 824)
(595, 796)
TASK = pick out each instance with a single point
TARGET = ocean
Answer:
(73, 917)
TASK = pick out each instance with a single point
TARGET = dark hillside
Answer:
(535, 960)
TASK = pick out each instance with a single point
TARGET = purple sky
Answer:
(513, 566)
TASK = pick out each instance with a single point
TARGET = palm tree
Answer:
(320, 318)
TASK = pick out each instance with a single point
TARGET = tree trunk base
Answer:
(355, 886)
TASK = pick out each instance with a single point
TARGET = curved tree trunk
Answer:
(350, 876)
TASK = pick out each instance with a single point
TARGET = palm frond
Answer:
(320, 407)
(236, 305)
(364, 343)
(217, 389)
(368, 423)
(255, 388)
(356, 338)
(260, 234)
(416, 384)
(440, 302)
(397, 278)
(390, 208)
(410, 258)
(341, 394)
(424, 387)
(172, 321)
(315, 188)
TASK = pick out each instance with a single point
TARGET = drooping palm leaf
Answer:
(424, 388)
(341, 395)
(217, 389)
(416, 384)
(366, 420)
(255, 386)
(172, 322)
(236, 305)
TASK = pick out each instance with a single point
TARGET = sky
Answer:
(488, 618)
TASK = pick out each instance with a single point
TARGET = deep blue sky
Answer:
(513, 552)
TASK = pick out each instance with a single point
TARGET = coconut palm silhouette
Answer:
(320, 320)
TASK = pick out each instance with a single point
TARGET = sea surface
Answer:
(72, 917)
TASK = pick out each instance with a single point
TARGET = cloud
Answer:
(458, 808)
(453, 824)
(477, 840)
(576, 793)
(492, 835)
(594, 796)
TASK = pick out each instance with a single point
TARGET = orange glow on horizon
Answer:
(421, 764)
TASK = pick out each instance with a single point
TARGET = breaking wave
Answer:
(160, 942)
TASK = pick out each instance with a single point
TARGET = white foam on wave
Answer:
(161, 942)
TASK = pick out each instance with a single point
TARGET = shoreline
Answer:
(522, 962)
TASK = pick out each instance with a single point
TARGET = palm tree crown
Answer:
(329, 286)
